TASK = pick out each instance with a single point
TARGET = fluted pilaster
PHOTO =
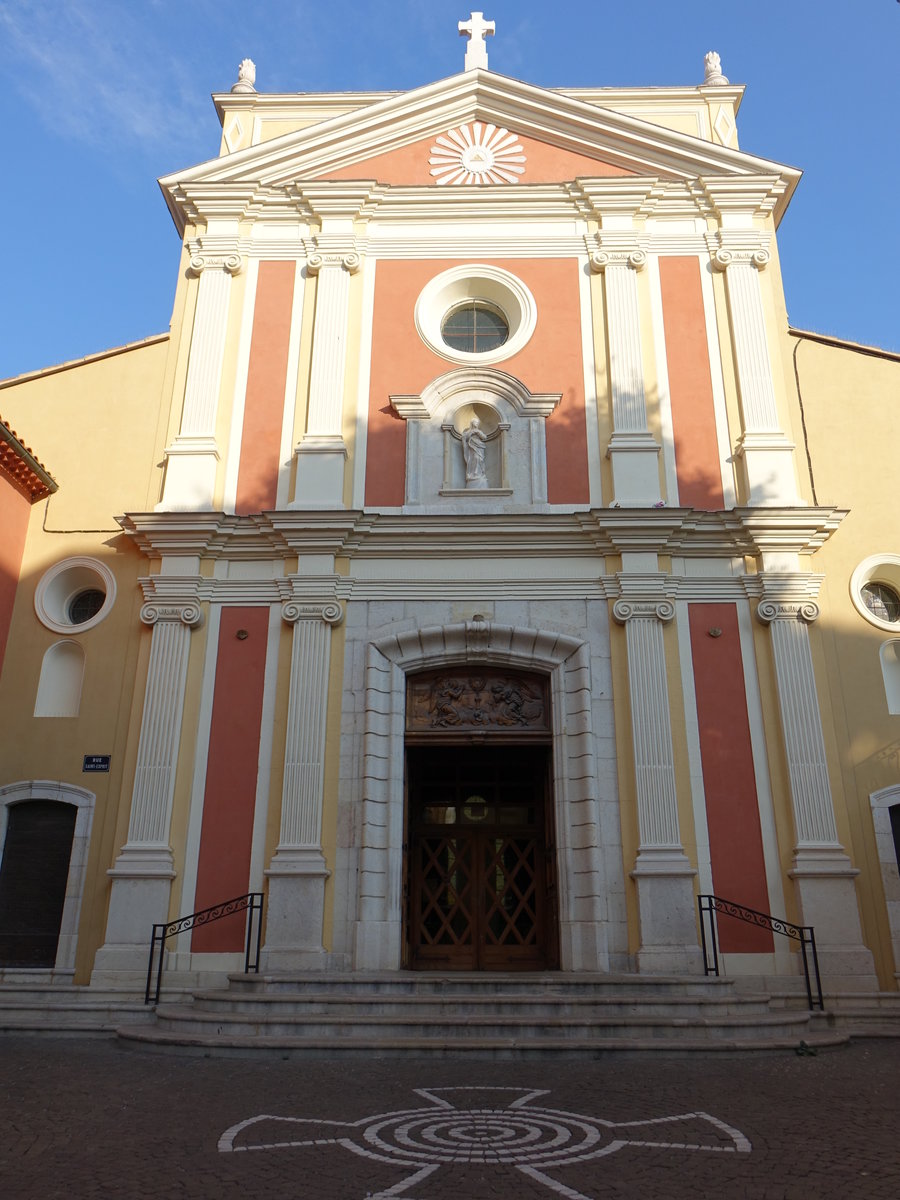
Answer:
(801, 721)
(654, 761)
(157, 757)
(633, 451)
(304, 757)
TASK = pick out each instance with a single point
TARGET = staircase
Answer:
(479, 1015)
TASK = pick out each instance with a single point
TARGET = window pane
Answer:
(474, 329)
(882, 602)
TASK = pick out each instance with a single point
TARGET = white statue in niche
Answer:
(473, 445)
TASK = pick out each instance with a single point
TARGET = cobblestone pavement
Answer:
(84, 1119)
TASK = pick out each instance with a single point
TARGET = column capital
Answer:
(806, 611)
(723, 258)
(636, 259)
(231, 263)
(332, 250)
(188, 613)
(648, 609)
(328, 611)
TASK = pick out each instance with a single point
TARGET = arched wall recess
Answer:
(62, 674)
(890, 671)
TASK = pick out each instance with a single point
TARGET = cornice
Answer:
(556, 118)
(686, 533)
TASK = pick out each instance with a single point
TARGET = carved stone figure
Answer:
(473, 443)
(713, 70)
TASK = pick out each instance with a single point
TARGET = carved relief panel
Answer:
(466, 701)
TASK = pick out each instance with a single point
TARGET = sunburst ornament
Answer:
(476, 154)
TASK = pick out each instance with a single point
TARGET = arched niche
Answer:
(59, 687)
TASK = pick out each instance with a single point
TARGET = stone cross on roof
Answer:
(476, 29)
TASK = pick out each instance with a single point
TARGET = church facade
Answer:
(455, 572)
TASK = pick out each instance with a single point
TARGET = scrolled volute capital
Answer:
(294, 610)
(722, 259)
(350, 261)
(189, 614)
(629, 610)
(599, 260)
(760, 259)
(806, 611)
(233, 264)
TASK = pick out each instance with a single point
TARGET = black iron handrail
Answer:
(804, 934)
(252, 902)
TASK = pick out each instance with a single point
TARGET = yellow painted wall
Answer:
(852, 431)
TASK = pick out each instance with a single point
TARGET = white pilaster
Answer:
(766, 452)
(143, 871)
(321, 453)
(821, 869)
(297, 872)
(191, 459)
(662, 872)
(633, 451)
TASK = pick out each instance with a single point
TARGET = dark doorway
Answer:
(481, 866)
(34, 873)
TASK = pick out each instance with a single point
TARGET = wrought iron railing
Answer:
(252, 903)
(804, 934)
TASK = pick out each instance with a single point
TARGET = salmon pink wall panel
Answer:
(14, 512)
(266, 380)
(690, 385)
(411, 164)
(551, 362)
(729, 781)
(229, 800)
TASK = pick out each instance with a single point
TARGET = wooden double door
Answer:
(481, 878)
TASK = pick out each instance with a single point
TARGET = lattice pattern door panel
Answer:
(442, 900)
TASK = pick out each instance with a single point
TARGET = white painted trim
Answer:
(667, 427)
(723, 437)
(881, 801)
(84, 801)
(695, 759)
(62, 582)
(267, 731)
(367, 321)
(242, 369)
(289, 411)
(591, 401)
(582, 885)
(481, 281)
(198, 778)
(765, 802)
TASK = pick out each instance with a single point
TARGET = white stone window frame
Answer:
(84, 801)
(877, 568)
(581, 881)
(493, 286)
(882, 802)
(62, 582)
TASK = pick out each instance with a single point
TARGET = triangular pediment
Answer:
(386, 142)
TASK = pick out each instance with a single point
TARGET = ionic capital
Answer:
(806, 611)
(601, 259)
(330, 612)
(630, 610)
(188, 614)
(318, 261)
(233, 264)
(722, 259)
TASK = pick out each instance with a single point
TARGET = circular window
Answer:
(875, 590)
(474, 328)
(85, 604)
(475, 314)
(75, 595)
(882, 602)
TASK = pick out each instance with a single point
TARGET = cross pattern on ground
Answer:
(499, 1127)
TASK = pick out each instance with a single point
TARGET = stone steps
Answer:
(516, 1015)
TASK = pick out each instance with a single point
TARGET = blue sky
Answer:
(102, 97)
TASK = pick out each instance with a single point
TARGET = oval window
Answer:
(474, 328)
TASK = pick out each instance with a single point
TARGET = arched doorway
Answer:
(480, 863)
(34, 873)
